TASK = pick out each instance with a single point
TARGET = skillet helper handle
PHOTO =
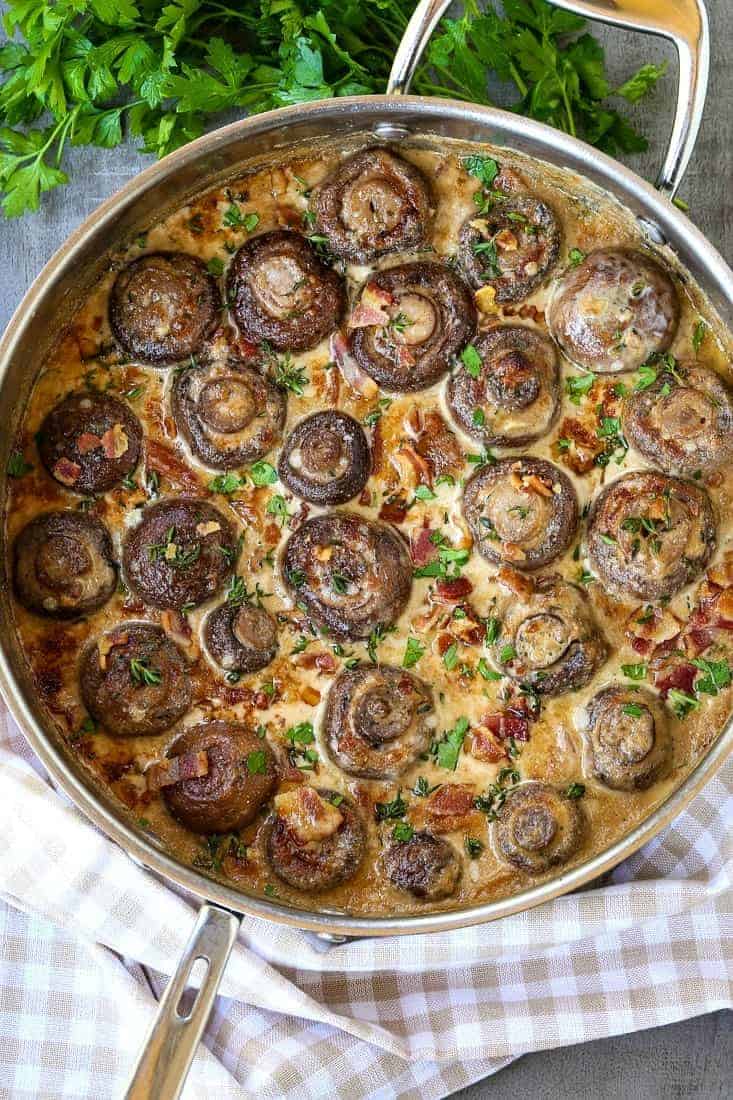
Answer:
(166, 1058)
(685, 22)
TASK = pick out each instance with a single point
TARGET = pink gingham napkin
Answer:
(88, 939)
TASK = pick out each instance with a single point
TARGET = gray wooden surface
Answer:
(692, 1059)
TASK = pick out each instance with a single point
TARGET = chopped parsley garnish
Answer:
(226, 484)
(491, 802)
(471, 360)
(681, 702)
(575, 790)
(473, 846)
(486, 671)
(578, 386)
(403, 832)
(717, 675)
(493, 630)
(413, 652)
(262, 473)
(634, 672)
(17, 465)
(215, 266)
(507, 653)
(450, 657)
(256, 763)
(375, 639)
(142, 674)
(484, 169)
(389, 811)
(698, 335)
(448, 749)
(576, 257)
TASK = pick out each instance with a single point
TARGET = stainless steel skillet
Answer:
(394, 116)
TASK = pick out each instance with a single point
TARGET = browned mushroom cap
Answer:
(426, 866)
(512, 398)
(134, 680)
(521, 510)
(326, 458)
(163, 306)
(683, 422)
(181, 552)
(63, 565)
(315, 839)
(614, 310)
(90, 441)
(538, 828)
(229, 414)
(241, 639)
(281, 292)
(511, 247)
(549, 639)
(628, 738)
(426, 316)
(373, 203)
(378, 721)
(650, 535)
(240, 777)
(350, 574)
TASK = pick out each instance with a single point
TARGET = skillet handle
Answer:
(684, 22)
(166, 1058)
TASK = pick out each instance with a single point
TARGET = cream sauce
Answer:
(292, 689)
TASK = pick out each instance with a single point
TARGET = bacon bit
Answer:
(87, 442)
(453, 589)
(445, 641)
(438, 445)
(714, 480)
(586, 446)
(393, 511)
(485, 299)
(422, 550)
(209, 528)
(115, 442)
(66, 471)
(365, 498)
(681, 677)
(532, 313)
(310, 696)
(657, 625)
(506, 241)
(127, 793)
(509, 180)
(505, 724)
(420, 469)
(449, 808)
(179, 631)
(373, 308)
(350, 369)
(326, 662)
(107, 643)
(721, 574)
(300, 516)
(469, 630)
(516, 582)
(164, 461)
(261, 700)
(308, 815)
(190, 765)
(537, 485)
(328, 380)
(513, 551)
(287, 771)
(451, 799)
(413, 421)
(234, 696)
(724, 604)
(485, 747)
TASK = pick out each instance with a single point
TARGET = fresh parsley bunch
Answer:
(85, 72)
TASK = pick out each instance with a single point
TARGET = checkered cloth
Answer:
(88, 939)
